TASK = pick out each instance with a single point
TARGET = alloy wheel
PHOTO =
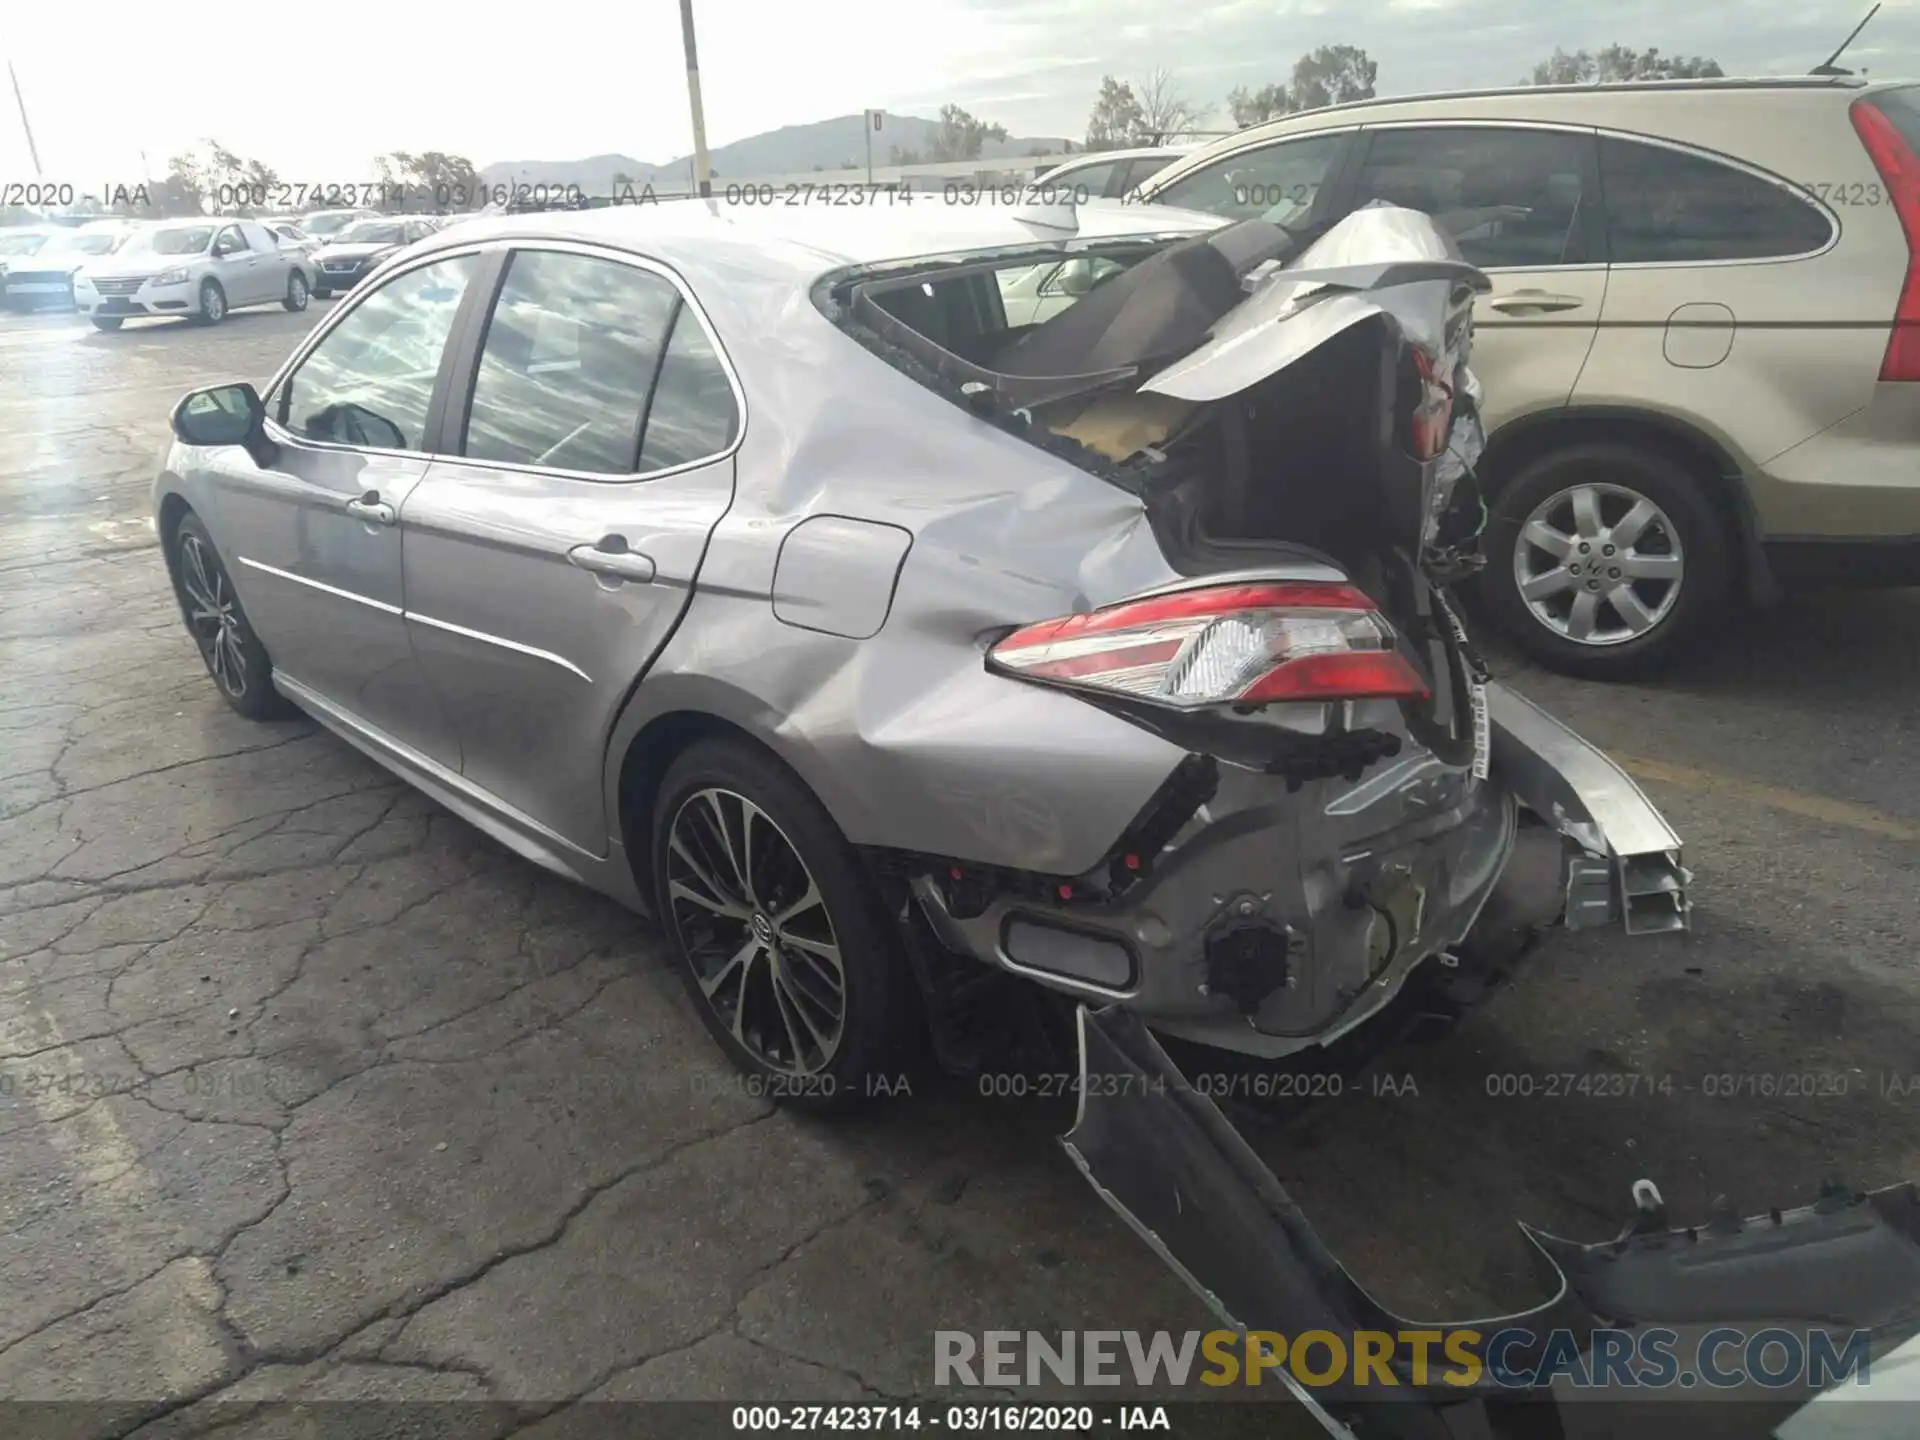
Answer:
(1599, 564)
(214, 303)
(755, 929)
(213, 615)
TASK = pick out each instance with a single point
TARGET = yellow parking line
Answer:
(1774, 797)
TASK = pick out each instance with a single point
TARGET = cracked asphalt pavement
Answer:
(310, 1091)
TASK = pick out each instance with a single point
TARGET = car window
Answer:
(568, 363)
(230, 238)
(1090, 180)
(1668, 205)
(259, 237)
(1507, 197)
(693, 414)
(1277, 182)
(370, 380)
(1139, 171)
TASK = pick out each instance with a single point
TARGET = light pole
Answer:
(702, 178)
(21, 101)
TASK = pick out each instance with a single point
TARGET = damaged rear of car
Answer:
(1298, 429)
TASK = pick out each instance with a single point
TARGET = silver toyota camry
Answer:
(755, 570)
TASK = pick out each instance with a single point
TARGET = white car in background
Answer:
(196, 269)
(1110, 174)
(19, 244)
(45, 277)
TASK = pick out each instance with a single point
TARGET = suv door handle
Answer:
(611, 558)
(370, 507)
(1522, 302)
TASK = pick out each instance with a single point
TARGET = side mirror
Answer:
(225, 415)
(1075, 278)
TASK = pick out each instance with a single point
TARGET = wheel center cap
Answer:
(762, 928)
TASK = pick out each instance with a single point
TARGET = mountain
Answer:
(791, 150)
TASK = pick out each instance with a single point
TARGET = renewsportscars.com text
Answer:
(1652, 1359)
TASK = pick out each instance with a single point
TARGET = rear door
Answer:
(1520, 201)
(1735, 302)
(548, 563)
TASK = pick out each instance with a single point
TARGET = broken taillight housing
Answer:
(1249, 644)
(1433, 419)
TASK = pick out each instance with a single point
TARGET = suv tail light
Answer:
(1899, 171)
(1220, 645)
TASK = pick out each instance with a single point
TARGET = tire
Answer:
(709, 786)
(241, 669)
(213, 303)
(108, 322)
(1638, 626)
(321, 292)
(297, 293)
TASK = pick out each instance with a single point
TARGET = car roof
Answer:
(803, 242)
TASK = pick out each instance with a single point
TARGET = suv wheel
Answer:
(783, 942)
(1605, 560)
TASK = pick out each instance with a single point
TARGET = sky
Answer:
(565, 79)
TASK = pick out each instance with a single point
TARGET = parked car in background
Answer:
(592, 525)
(323, 225)
(45, 277)
(361, 248)
(18, 244)
(1111, 174)
(293, 237)
(1701, 348)
(198, 269)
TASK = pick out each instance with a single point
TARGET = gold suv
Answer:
(1702, 344)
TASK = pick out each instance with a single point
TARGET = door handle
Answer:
(1534, 302)
(370, 507)
(611, 558)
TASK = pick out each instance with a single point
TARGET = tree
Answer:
(1617, 63)
(1165, 110)
(960, 136)
(1254, 107)
(897, 156)
(430, 180)
(1332, 75)
(1116, 118)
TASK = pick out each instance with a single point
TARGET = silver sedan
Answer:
(756, 571)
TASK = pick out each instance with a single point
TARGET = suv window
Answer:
(1140, 171)
(568, 363)
(1278, 182)
(1670, 205)
(369, 382)
(1507, 197)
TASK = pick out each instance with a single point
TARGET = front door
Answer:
(547, 565)
(1522, 204)
(317, 537)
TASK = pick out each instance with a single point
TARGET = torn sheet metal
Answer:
(1166, 1159)
(1381, 260)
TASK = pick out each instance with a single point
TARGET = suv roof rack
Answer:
(1721, 82)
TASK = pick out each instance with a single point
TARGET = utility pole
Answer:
(702, 177)
(873, 124)
(21, 101)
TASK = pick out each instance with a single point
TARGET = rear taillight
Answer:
(1433, 420)
(1899, 171)
(1221, 645)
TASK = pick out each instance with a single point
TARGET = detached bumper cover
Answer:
(1166, 1159)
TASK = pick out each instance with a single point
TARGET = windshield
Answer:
(98, 242)
(21, 244)
(183, 240)
(327, 224)
(372, 232)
